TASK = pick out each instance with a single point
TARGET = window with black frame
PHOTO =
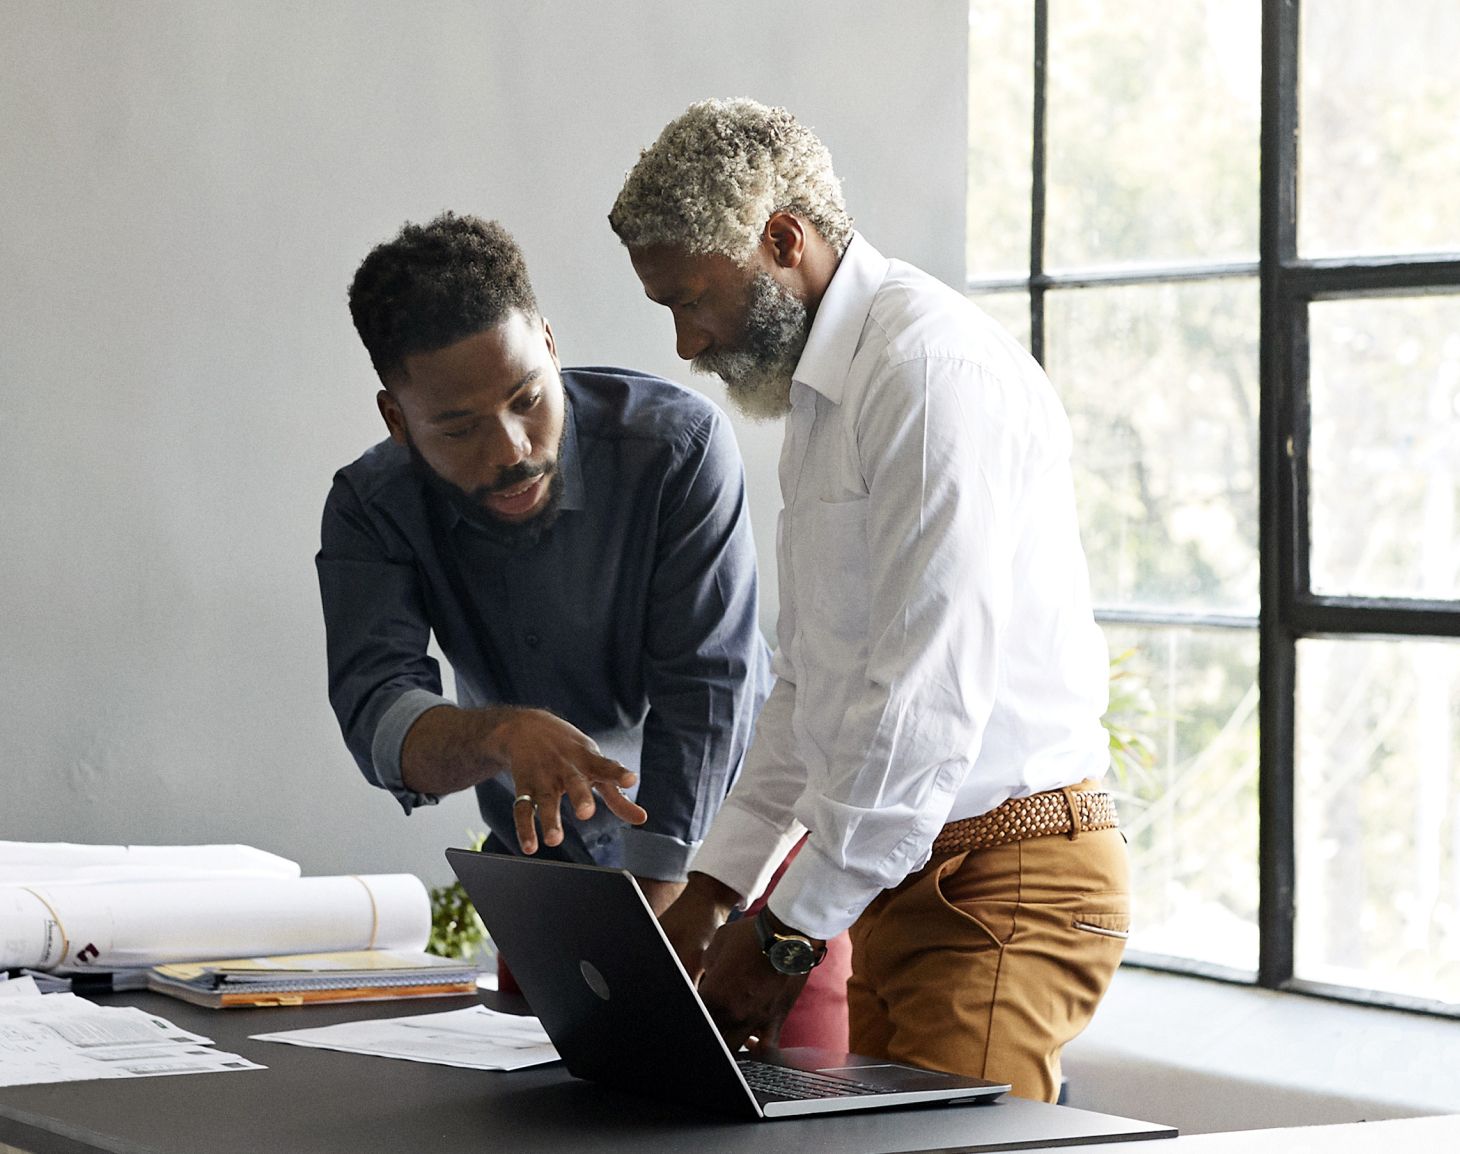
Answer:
(1227, 229)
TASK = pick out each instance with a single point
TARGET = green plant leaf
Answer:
(456, 927)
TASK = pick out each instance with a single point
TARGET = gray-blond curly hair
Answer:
(717, 174)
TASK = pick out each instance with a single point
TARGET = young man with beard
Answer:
(578, 541)
(935, 722)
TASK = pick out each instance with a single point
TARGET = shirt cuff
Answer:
(819, 899)
(390, 736)
(657, 855)
(742, 850)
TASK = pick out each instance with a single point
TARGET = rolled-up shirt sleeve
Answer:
(706, 667)
(939, 490)
(381, 677)
(935, 602)
(757, 826)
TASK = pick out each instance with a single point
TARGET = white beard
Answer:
(757, 375)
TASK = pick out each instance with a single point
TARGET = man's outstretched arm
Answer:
(449, 749)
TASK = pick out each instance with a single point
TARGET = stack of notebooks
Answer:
(297, 979)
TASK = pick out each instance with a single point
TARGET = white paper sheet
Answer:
(63, 1038)
(121, 925)
(40, 862)
(475, 1039)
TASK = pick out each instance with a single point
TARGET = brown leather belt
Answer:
(1039, 815)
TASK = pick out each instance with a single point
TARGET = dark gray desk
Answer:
(322, 1102)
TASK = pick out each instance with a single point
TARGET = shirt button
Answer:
(533, 640)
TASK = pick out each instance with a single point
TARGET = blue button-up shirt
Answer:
(634, 616)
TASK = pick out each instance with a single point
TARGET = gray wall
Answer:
(185, 190)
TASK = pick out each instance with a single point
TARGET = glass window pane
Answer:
(1378, 816)
(1384, 461)
(1380, 106)
(1000, 118)
(1183, 721)
(1010, 309)
(1154, 117)
(1160, 382)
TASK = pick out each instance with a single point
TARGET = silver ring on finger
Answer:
(527, 797)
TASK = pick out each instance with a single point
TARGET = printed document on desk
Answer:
(475, 1039)
(63, 1038)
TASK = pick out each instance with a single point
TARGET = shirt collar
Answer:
(837, 330)
(569, 462)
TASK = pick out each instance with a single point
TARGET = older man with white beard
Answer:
(935, 724)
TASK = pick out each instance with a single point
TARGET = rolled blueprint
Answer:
(29, 863)
(128, 924)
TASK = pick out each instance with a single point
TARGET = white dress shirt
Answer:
(937, 650)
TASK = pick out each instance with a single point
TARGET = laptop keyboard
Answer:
(765, 1078)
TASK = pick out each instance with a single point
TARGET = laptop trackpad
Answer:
(889, 1075)
(892, 1076)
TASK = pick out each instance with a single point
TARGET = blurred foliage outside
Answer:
(1152, 159)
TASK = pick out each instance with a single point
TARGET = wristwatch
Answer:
(788, 953)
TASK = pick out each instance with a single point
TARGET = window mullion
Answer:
(1037, 184)
(1281, 502)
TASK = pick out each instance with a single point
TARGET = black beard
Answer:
(511, 536)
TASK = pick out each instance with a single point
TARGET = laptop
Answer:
(611, 993)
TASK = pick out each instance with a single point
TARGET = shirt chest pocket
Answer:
(834, 570)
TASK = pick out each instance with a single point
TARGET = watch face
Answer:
(792, 956)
